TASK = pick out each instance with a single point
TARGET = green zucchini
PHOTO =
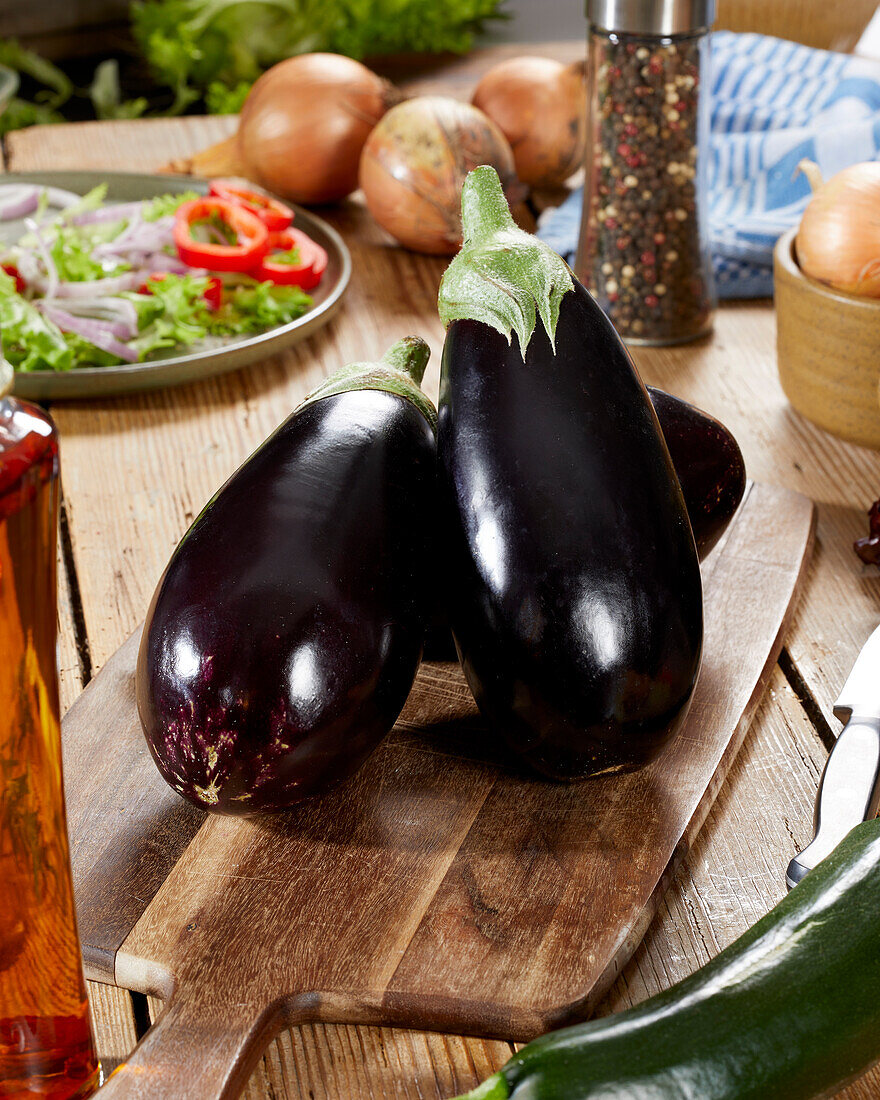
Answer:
(790, 1011)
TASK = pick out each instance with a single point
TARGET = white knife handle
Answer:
(849, 792)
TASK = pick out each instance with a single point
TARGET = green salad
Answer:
(100, 284)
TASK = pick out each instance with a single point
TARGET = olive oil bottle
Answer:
(46, 1044)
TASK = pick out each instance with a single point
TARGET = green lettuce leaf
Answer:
(163, 205)
(72, 252)
(30, 341)
(173, 315)
(254, 307)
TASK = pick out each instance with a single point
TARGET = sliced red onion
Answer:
(94, 331)
(122, 211)
(118, 315)
(57, 196)
(17, 200)
(139, 237)
(46, 257)
(114, 284)
(162, 261)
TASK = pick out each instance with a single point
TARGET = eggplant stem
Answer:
(399, 371)
(503, 277)
(484, 209)
(410, 356)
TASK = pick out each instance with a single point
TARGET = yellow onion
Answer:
(302, 129)
(838, 241)
(540, 106)
(415, 162)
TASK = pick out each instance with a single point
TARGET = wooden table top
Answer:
(136, 471)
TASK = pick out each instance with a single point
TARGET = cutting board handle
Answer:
(200, 1048)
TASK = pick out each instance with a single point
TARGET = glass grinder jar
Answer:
(643, 249)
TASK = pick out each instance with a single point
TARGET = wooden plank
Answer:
(348, 1062)
(733, 874)
(112, 1014)
(323, 1062)
(735, 870)
(733, 376)
(121, 866)
(139, 147)
(827, 27)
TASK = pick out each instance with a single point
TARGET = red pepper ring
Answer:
(306, 273)
(252, 236)
(319, 263)
(273, 213)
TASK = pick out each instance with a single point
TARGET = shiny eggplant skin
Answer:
(710, 469)
(708, 462)
(285, 634)
(575, 594)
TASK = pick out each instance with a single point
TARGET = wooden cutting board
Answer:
(438, 888)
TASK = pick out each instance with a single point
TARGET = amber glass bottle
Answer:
(46, 1045)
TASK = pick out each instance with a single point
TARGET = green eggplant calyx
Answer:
(502, 276)
(493, 1088)
(399, 371)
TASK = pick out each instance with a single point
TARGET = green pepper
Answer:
(790, 1011)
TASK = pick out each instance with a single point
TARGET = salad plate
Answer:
(176, 365)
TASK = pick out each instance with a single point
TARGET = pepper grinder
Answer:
(644, 249)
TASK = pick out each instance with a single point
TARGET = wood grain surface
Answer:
(436, 888)
(137, 470)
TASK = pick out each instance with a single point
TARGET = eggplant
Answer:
(708, 463)
(574, 584)
(710, 469)
(285, 634)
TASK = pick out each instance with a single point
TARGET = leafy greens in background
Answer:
(209, 52)
(56, 90)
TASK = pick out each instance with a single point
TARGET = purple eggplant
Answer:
(708, 463)
(710, 469)
(574, 583)
(286, 631)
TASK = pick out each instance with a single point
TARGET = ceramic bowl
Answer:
(828, 346)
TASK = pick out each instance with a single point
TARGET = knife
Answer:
(849, 790)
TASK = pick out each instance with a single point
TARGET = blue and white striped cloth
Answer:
(773, 103)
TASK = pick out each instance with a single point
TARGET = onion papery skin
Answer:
(540, 106)
(838, 241)
(304, 124)
(415, 162)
